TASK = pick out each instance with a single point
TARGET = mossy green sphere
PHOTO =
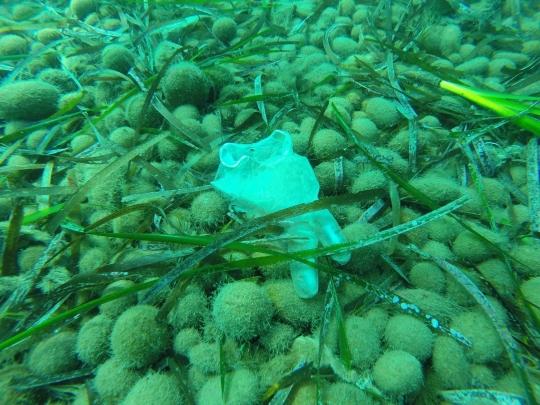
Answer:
(326, 176)
(205, 356)
(25, 11)
(364, 341)
(117, 57)
(93, 344)
(382, 112)
(55, 355)
(369, 180)
(81, 8)
(479, 329)
(208, 209)
(243, 389)
(48, 35)
(531, 291)
(345, 46)
(224, 29)
(450, 363)
(242, 310)
(278, 338)
(499, 275)
(134, 107)
(123, 136)
(155, 389)
(28, 100)
(137, 340)
(468, 246)
(190, 310)
(114, 308)
(366, 128)
(29, 256)
(405, 332)
(530, 256)
(290, 307)
(113, 382)
(328, 143)
(12, 45)
(219, 76)
(398, 373)
(185, 83)
(341, 393)
(58, 78)
(185, 340)
(428, 276)
(364, 259)
(440, 189)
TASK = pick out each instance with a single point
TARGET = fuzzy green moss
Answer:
(29, 100)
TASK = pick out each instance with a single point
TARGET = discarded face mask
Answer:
(267, 176)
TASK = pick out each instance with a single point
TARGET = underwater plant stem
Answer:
(496, 106)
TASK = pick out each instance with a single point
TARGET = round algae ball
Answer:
(113, 382)
(48, 35)
(134, 107)
(364, 341)
(224, 29)
(469, 246)
(345, 394)
(55, 355)
(365, 258)
(12, 45)
(499, 275)
(365, 127)
(428, 276)
(382, 112)
(93, 340)
(450, 363)
(345, 46)
(205, 356)
(58, 78)
(479, 329)
(243, 389)
(28, 100)
(326, 176)
(278, 338)
(398, 373)
(531, 291)
(529, 255)
(242, 310)
(185, 83)
(117, 57)
(369, 180)
(185, 340)
(405, 332)
(114, 308)
(81, 8)
(137, 340)
(155, 389)
(327, 143)
(208, 209)
(190, 310)
(290, 307)
(123, 136)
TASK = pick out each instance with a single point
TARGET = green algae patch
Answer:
(29, 100)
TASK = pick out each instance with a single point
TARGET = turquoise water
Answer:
(128, 277)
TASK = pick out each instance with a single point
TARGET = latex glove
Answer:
(267, 176)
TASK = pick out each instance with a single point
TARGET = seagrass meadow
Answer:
(129, 276)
